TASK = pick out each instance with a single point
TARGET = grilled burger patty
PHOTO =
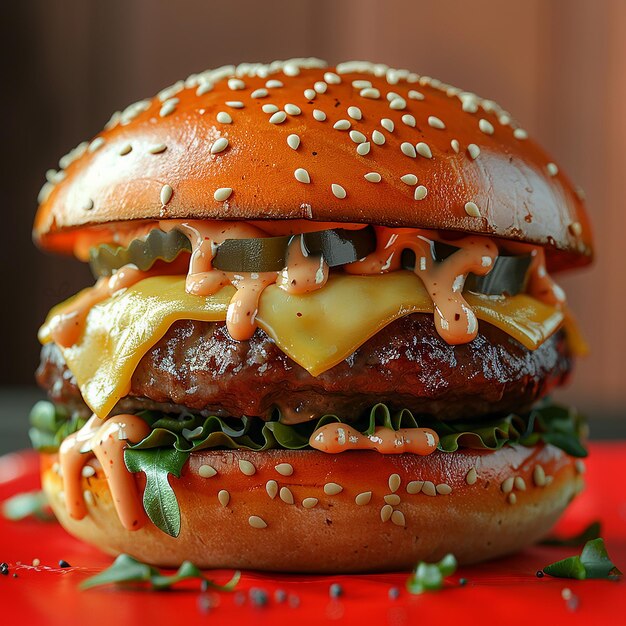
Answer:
(199, 367)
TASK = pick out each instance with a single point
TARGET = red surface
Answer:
(502, 592)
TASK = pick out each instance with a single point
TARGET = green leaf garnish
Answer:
(430, 576)
(593, 531)
(126, 569)
(593, 562)
(31, 504)
(159, 499)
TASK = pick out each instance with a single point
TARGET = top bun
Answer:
(284, 138)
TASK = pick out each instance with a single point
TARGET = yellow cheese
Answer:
(317, 330)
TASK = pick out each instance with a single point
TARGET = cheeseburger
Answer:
(323, 328)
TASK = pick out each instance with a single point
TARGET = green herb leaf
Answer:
(159, 499)
(593, 562)
(592, 531)
(430, 576)
(126, 569)
(31, 504)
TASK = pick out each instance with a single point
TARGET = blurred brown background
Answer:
(557, 65)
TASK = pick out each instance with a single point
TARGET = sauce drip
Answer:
(106, 441)
(444, 280)
(335, 438)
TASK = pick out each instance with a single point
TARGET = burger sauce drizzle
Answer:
(106, 441)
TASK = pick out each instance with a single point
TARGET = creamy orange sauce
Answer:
(454, 318)
(304, 272)
(106, 441)
(335, 438)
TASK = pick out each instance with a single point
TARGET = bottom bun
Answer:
(358, 511)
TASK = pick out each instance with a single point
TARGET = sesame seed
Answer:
(219, 146)
(394, 482)
(88, 206)
(361, 84)
(125, 149)
(373, 177)
(471, 477)
(387, 124)
(223, 497)
(512, 498)
(415, 95)
(378, 138)
(470, 106)
(331, 78)
(259, 93)
(575, 229)
(172, 90)
(168, 107)
(392, 498)
(415, 486)
(363, 498)
(235, 84)
(302, 175)
(443, 489)
(246, 467)
(552, 169)
(278, 118)
(423, 149)
(309, 503)
(284, 469)
(409, 120)
(207, 471)
(223, 193)
(97, 143)
(88, 471)
(355, 113)
(310, 94)
(270, 108)
(520, 133)
(435, 122)
(338, 190)
(166, 194)
(386, 512)
(397, 518)
(293, 141)
(409, 179)
(429, 488)
(408, 149)
(504, 119)
(520, 483)
(320, 86)
(342, 125)
(257, 522)
(392, 95)
(332, 489)
(579, 465)
(286, 496)
(485, 126)
(370, 92)
(36, 562)
(357, 136)
(271, 486)
(471, 208)
(363, 148)
(320, 116)
(398, 104)
(507, 484)
(420, 192)
(473, 150)
(539, 476)
(204, 88)
(292, 109)
(455, 145)
(224, 118)
(274, 84)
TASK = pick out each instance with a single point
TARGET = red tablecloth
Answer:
(503, 592)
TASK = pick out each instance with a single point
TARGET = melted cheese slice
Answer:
(317, 330)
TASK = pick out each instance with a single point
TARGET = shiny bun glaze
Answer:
(179, 155)
(507, 505)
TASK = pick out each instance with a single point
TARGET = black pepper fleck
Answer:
(4, 569)
(462, 582)
(393, 593)
(539, 573)
(64, 564)
(335, 590)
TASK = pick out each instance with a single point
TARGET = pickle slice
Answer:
(157, 245)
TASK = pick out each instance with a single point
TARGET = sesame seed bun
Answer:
(300, 140)
(478, 505)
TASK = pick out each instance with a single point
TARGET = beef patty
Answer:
(199, 367)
